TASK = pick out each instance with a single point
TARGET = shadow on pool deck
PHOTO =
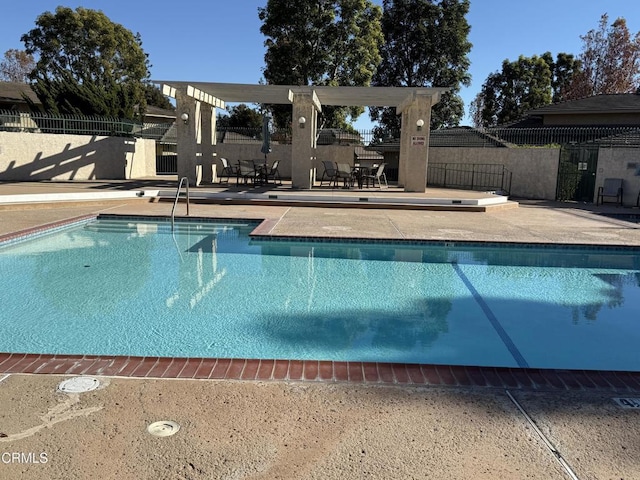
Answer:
(296, 429)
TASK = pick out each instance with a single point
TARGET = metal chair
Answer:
(273, 173)
(378, 176)
(227, 170)
(330, 172)
(345, 173)
(612, 187)
(247, 171)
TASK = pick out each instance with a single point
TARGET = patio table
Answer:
(360, 172)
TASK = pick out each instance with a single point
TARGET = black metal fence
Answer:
(375, 139)
(475, 176)
(80, 125)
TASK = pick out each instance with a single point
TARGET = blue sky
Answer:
(220, 41)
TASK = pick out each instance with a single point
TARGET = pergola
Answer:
(196, 103)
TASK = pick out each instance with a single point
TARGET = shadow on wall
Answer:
(96, 159)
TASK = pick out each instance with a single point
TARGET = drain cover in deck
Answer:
(79, 385)
(164, 428)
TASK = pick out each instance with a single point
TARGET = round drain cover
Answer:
(164, 428)
(79, 385)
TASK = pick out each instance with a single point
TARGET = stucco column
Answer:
(414, 144)
(187, 133)
(208, 141)
(303, 138)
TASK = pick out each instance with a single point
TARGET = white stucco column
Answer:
(187, 133)
(208, 141)
(414, 142)
(303, 137)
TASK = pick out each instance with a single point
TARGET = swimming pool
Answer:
(134, 287)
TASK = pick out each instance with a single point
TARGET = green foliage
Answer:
(610, 61)
(425, 45)
(325, 42)
(522, 85)
(154, 96)
(16, 66)
(87, 64)
(240, 116)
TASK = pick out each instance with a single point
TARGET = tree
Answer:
(522, 85)
(154, 96)
(425, 45)
(324, 42)
(16, 66)
(610, 61)
(87, 64)
(240, 116)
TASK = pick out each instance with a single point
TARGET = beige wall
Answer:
(620, 163)
(534, 170)
(31, 156)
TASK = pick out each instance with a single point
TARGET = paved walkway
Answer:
(266, 429)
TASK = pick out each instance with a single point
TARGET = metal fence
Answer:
(376, 139)
(555, 136)
(474, 176)
(79, 125)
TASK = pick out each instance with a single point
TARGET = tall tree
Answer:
(240, 116)
(87, 64)
(16, 66)
(425, 45)
(324, 42)
(610, 61)
(522, 85)
(155, 97)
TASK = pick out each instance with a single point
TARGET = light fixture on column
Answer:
(302, 121)
(420, 124)
(185, 118)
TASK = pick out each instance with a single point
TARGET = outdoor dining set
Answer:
(259, 172)
(351, 175)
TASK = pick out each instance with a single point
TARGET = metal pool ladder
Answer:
(173, 210)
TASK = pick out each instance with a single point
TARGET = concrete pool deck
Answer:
(295, 429)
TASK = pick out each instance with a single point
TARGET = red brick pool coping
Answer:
(319, 371)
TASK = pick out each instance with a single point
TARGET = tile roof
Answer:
(13, 91)
(611, 103)
(446, 137)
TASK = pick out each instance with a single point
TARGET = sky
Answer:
(220, 41)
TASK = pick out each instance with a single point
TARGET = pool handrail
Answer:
(175, 202)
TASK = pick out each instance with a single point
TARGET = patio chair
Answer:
(378, 175)
(612, 187)
(247, 171)
(345, 173)
(227, 170)
(273, 173)
(330, 172)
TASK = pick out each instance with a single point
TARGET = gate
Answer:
(472, 176)
(166, 158)
(577, 173)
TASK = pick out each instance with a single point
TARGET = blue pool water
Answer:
(132, 287)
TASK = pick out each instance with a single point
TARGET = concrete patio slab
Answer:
(265, 431)
(597, 437)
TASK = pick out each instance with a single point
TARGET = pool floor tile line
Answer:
(321, 371)
(502, 333)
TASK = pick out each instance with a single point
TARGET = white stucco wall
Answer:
(620, 163)
(39, 156)
(534, 170)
